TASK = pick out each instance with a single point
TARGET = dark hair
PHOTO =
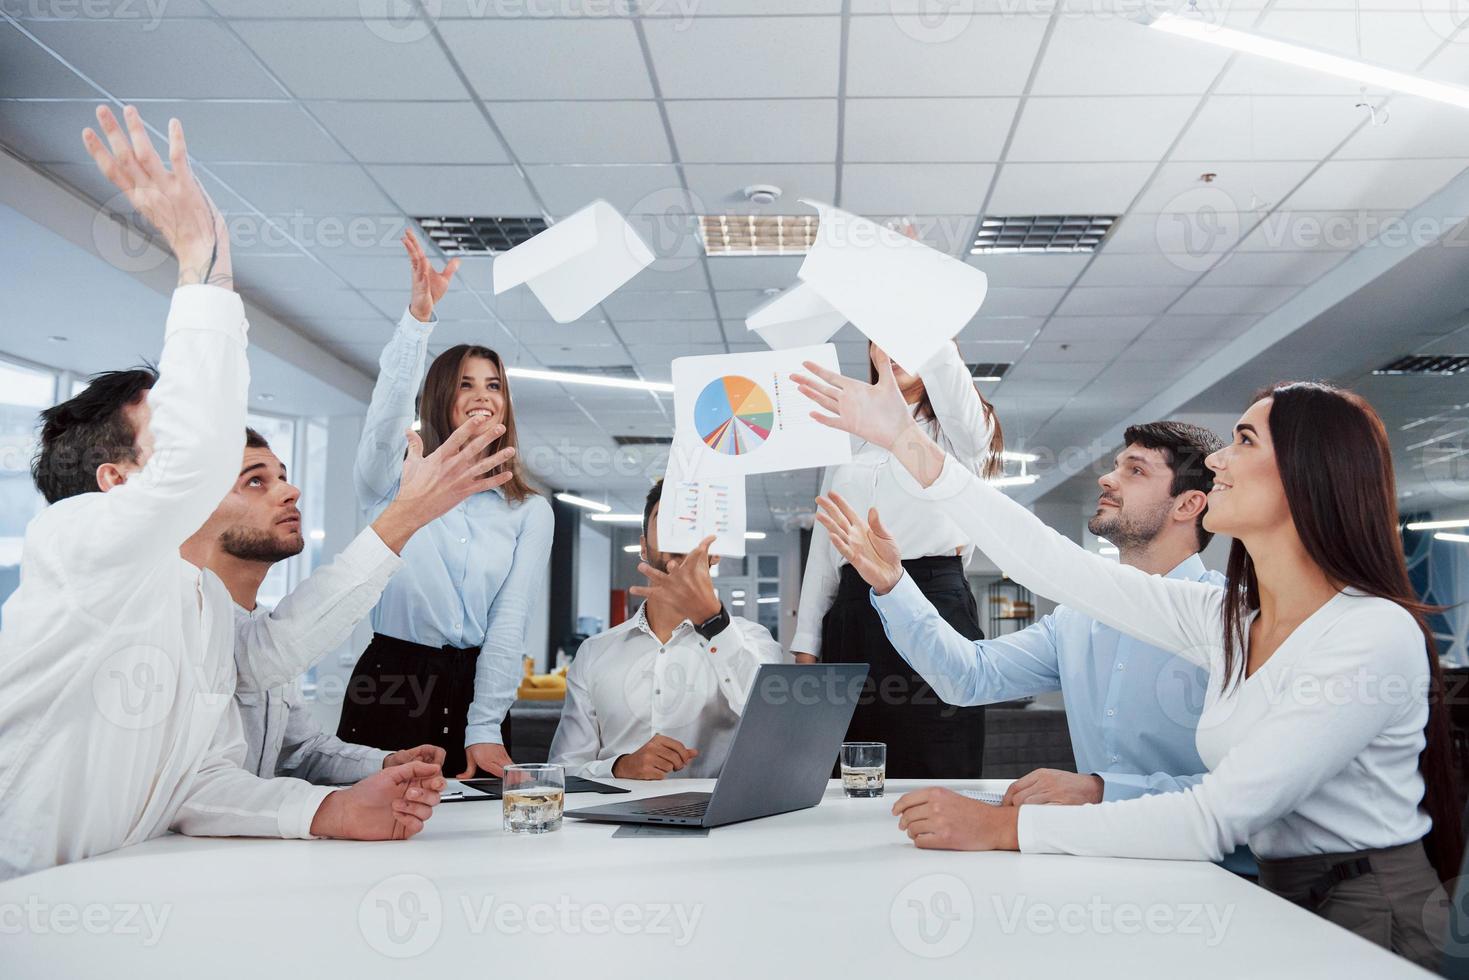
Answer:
(654, 495)
(1336, 469)
(254, 440)
(994, 462)
(1184, 448)
(82, 433)
(436, 410)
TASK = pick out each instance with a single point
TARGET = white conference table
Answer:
(833, 888)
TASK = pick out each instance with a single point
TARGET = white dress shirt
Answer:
(962, 427)
(1314, 753)
(624, 687)
(117, 706)
(281, 737)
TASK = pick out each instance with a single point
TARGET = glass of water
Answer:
(533, 797)
(864, 768)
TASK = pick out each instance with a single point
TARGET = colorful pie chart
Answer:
(733, 415)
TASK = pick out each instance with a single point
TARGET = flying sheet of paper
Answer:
(907, 298)
(577, 262)
(798, 317)
(742, 414)
(695, 505)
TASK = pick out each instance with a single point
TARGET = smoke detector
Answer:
(762, 194)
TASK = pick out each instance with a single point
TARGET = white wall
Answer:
(594, 572)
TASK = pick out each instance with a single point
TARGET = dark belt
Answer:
(935, 571)
(1320, 888)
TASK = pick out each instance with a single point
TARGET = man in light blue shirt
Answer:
(1132, 709)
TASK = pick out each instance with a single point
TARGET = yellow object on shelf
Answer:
(542, 687)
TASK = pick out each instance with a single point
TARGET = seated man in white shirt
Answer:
(258, 524)
(117, 653)
(660, 695)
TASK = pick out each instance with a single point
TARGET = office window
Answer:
(24, 391)
(281, 434)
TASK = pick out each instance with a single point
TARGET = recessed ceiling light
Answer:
(1435, 525)
(577, 378)
(757, 234)
(1023, 480)
(479, 236)
(988, 370)
(575, 501)
(265, 396)
(618, 518)
(632, 549)
(56, 339)
(1040, 233)
(1460, 538)
(1443, 365)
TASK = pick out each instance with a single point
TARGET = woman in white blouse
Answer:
(925, 737)
(1323, 726)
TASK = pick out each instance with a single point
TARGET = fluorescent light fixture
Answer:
(1011, 456)
(988, 377)
(1108, 551)
(632, 549)
(1024, 480)
(1304, 57)
(738, 593)
(754, 535)
(567, 378)
(317, 534)
(618, 518)
(757, 234)
(575, 501)
(767, 600)
(1435, 525)
(1460, 538)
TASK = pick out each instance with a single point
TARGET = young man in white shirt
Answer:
(659, 696)
(117, 654)
(258, 524)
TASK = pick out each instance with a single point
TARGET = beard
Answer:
(1130, 530)
(248, 544)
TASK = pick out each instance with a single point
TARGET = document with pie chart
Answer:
(742, 414)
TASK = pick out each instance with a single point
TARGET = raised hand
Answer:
(429, 284)
(876, 412)
(868, 546)
(658, 757)
(686, 589)
(172, 200)
(433, 485)
(388, 805)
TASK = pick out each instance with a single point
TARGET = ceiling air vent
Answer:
(643, 440)
(479, 236)
(1441, 365)
(1041, 233)
(757, 234)
(991, 371)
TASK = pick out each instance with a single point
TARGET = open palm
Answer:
(429, 284)
(867, 545)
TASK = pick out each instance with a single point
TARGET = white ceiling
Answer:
(320, 131)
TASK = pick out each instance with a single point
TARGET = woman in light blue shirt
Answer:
(449, 633)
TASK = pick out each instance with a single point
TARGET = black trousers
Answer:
(926, 738)
(404, 694)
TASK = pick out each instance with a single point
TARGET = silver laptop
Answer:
(781, 757)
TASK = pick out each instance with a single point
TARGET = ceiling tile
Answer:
(32, 73)
(668, 274)
(754, 271)
(635, 333)
(1194, 327)
(1397, 39)
(194, 59)
(1373, 184)
(1118, 128)
(321, 188)
(1413, 128)
(363, 63)
(990, 332)
(932, 188)
(463, 189)
(926, 130)
(1067, 188)
(1112, 329)
(790, 130)
(1077, 372)
(1272, 268)
(1004, 301)
(583, 132)
(1237, 188)
(788, 57)
(1246, 127)
(1299, 231)
(1118, 300)
(411, 132)
(1107, 54)
(719, 187)
(631, 188)
(538, 58)
(941, 56)
(1136, 270)
(1233, 299)
(736, 304)
(659, 306)
(1056, 269)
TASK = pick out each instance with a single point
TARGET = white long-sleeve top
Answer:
(117, 707)
(624, 687)
(962, 427)
(277, 645)
(1314, 753)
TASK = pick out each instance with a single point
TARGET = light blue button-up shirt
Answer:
(1132, 709)
(469, 578)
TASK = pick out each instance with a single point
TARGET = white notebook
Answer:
(978, 794)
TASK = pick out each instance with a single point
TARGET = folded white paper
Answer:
(907, 298)
(695, 505)
(742, 413)
(798, 317)
(577, 262)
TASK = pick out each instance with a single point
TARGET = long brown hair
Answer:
(436, 410)
(994, 461)
(1336, 468)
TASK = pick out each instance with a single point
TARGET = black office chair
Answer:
(1456, 943)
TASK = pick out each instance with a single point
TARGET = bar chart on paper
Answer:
(733, 415)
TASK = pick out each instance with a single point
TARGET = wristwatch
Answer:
(714, 625)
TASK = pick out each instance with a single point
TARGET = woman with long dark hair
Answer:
(449, 631)
(835, 622)
(1323, 725)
